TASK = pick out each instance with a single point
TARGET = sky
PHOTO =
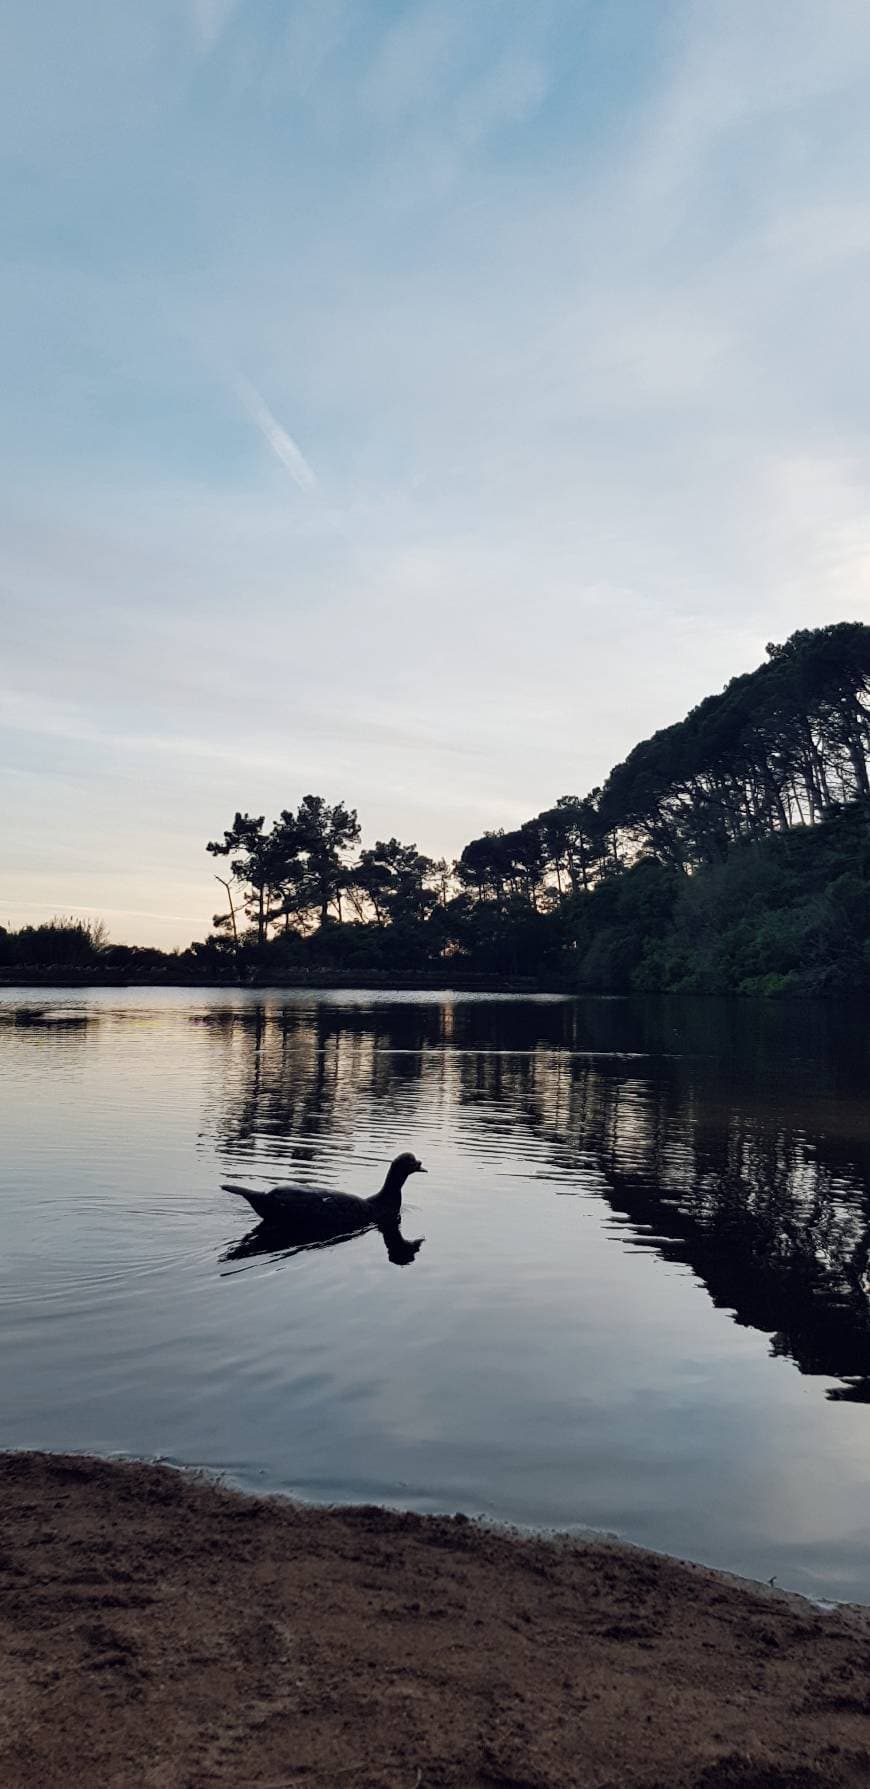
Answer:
(414, 404)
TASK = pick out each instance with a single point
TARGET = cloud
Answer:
(60, 907)
(415, 61)
(740, 68)
(211, 18)
(508, 93)
(26, 712)
(315, 31)
(283, 445)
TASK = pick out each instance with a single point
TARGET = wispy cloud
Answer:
(211, 18)
(276, 436)
(315, 30)
(508, 93)
(62, 906)
(416, 60)
(23, 712)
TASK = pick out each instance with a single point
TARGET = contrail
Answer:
(283, 445)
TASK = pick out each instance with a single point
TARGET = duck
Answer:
(308, 1212)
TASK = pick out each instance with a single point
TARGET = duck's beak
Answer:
(420, 1169)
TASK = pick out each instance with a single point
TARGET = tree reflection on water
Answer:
(732, 1137)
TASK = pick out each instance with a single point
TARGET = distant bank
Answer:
(728, 854)
(788, 915)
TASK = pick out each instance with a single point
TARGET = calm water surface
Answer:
(641, 1303)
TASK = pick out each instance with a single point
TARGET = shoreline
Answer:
(157, 1628)
(518, 987)
(398, 984)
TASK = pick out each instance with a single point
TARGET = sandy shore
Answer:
(157, 1631)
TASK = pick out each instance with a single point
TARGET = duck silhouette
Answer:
(293, 1218)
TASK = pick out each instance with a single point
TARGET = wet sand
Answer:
(159, 1631)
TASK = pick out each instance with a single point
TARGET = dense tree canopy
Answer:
(780, 747)
(588, 888)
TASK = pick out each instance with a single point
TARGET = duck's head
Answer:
(399, 1171)
(405, 1165)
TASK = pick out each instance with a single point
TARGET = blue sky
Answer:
(413, 403)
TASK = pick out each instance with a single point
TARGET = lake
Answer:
(641, 1304)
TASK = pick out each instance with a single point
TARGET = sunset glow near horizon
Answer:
(417, 404)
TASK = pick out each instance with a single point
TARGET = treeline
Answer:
(627, 887)
(68, 946)
(729, 852)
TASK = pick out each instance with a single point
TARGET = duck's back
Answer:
(318, 1207)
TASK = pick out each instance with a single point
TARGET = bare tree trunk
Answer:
(228, 887)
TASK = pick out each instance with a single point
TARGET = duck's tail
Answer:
(259, 1202)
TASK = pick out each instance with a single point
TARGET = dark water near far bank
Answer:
(641, 1303)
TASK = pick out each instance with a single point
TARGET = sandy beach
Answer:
(158, 1630)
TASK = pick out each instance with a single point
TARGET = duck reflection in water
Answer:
(293, 1218)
